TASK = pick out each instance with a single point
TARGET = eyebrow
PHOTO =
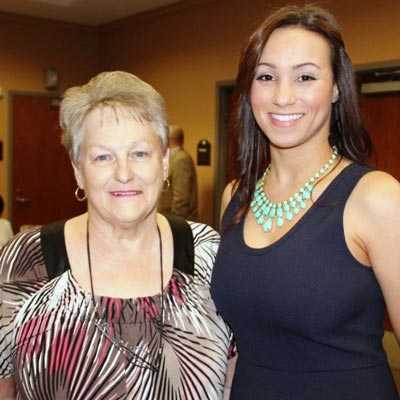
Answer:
(132, 143)
(297, 66)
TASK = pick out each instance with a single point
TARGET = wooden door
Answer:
(42, 179)
(381, 116)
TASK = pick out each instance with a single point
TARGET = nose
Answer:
(284, 93)
(123, 171)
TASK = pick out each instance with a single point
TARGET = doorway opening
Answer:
(226, 140)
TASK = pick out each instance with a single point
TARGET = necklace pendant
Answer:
(267, 226)
(289, 215)
(269, 214)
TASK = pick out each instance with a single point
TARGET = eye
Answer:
(306, 78)
(264, 77)
(102, 157)
(140, 154)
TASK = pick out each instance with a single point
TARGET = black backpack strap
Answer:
(183, 244)
(53, 248)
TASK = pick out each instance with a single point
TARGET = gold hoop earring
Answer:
(165, 188)
(78, 197)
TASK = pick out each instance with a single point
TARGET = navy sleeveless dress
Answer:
(307, 316)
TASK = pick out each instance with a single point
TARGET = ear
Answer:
(335, 93)
(165, 162)
(78, 175)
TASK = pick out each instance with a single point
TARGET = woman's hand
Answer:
(7, 389)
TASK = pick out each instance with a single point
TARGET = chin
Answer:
(126, 222)
(285, 144)
(133, 217)
(287, 141)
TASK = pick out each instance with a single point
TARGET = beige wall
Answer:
(27, 47)
(185, 51)
(182, 50)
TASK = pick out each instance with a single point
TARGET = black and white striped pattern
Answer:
(50, 344)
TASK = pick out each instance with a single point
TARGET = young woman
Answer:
(309, 254)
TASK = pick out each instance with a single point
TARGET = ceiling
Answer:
(86, 12)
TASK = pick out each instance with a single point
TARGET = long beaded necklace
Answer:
(269, 214)
(104, 327)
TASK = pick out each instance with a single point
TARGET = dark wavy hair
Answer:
(346, 130)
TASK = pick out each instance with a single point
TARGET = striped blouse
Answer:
(57, 345)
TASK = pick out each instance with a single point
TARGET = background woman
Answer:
(310, 252)
(122, 322)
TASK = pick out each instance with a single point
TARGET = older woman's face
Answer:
(121, 166)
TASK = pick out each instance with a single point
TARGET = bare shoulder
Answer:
(227, 194)
(377, 193)
(375, 204)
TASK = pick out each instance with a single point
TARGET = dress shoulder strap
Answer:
(56, 259)
(53, 248)
(183, 244)
(342, 186)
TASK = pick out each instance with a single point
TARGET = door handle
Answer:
(23, 201)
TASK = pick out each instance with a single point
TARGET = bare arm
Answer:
(7, 389)
(377, 205)
(229, 377)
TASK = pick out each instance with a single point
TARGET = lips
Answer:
(285, 120)
(125, 193)
(286, 117)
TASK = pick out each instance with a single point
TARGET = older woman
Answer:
(123, 321)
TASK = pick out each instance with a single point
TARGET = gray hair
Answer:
(110, 89)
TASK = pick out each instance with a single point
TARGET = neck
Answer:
(291, 166)
(137, 235)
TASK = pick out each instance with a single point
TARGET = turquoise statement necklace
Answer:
(269, 214)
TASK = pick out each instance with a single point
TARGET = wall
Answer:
(28, 46)
(185, 50)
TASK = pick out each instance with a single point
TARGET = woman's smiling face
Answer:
(121, 166)
(293, 88)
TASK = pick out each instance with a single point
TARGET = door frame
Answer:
(376, 78)
(9, 96)
(223, 90)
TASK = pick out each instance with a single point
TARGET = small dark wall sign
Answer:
(1, 150)
(204, 152)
